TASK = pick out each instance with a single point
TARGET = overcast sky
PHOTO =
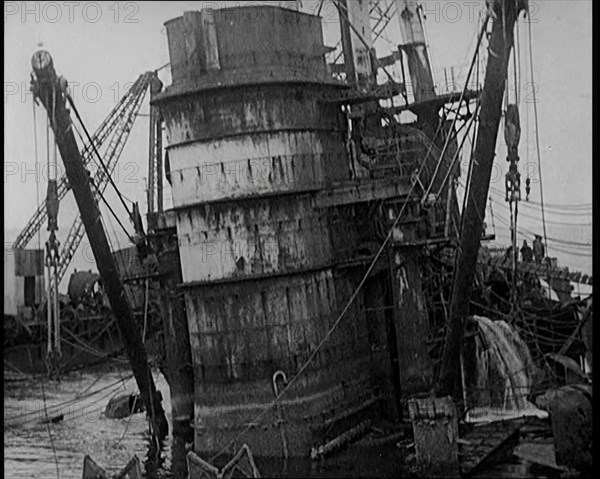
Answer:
(101, 47)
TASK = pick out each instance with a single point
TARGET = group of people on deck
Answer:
(536, 253)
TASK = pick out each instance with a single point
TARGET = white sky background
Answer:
(128, 38)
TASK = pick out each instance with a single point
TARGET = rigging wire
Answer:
(537, 133)
(49, 304)
(564, 243)
(462, 95)
(569, 251)
(118, 259)
(93, 161)
(56, 408)
(570, 210)
(135, 400)
(117, 218)
(146, 301)
(518, 53)
(37, 170)
(105, 168)
(528, 179)
(516, 60)
(473, 41)
(103, 198)
(569, 205)
(47, 420)
(472, 121)
(558, 223)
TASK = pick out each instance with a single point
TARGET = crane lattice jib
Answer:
(108, 125)
(101, 178)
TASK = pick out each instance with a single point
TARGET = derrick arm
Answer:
(500, 44)
(47, 86)
(102, 133)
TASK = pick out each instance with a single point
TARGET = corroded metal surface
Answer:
(416, 367)
(280, 162)
(245, 45)
(238, 110)
(237, 240)
(80, 283)
(259, 257)
(241, 333)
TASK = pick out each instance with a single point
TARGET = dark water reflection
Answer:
(82, 397)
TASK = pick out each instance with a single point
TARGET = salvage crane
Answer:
(52, 92)
(500, 45)
(118, 123)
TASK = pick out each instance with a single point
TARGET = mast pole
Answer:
(415, 47)
(500, 44)
(45, 84)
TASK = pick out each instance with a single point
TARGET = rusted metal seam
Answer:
(237, 200)
(196, 89)
(262, 276)
(270, 158)
(251, 133)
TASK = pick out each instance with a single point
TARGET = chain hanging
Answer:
(52, 253)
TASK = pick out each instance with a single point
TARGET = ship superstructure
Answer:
(283, 194)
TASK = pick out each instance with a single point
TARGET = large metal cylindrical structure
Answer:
(251, 141)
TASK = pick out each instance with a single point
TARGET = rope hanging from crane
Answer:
(57, 259)
(52, 252)
(537, 135)
(512, 136)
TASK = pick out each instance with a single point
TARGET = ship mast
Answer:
(415, 48)
(500, 44)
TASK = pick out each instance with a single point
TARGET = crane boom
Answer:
(500, 44)
(50, 91)
(122, 110)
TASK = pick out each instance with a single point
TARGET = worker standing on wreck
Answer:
(526, 252)
(538, 249)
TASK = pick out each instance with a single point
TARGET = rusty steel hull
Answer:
(250, 147)
(242, 333)
(258, 259)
